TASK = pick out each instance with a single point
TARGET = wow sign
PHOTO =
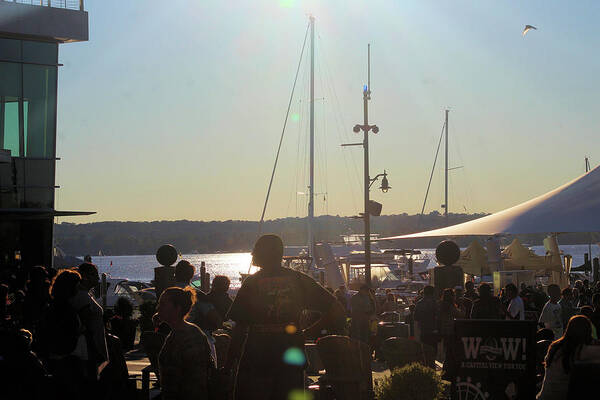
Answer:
(494, 359)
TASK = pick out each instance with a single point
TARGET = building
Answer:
(30, 34)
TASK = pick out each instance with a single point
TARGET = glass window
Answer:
(39, 110)
(40, 52)
(39, 198)
(10, 93)
(10, 49)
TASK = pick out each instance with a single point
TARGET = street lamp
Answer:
(369, 205)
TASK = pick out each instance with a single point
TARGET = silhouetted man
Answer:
(362, 311)
(516, 307)
(470, 292)
(426, 317)
(218, 295)
(566, 306)
(551, 313)
(267, 312)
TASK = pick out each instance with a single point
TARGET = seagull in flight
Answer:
(528, 28)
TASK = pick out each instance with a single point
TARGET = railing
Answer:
(67, 4)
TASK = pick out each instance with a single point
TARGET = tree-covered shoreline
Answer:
(132, 238)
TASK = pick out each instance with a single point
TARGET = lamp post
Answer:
(365, 128)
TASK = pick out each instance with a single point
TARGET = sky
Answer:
(174, 110)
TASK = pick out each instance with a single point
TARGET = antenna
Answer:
(369, 67)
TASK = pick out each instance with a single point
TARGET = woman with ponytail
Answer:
(184, 360)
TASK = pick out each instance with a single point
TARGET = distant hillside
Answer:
(130, 238)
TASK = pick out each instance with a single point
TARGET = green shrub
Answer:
(398, 352)
(412, 382)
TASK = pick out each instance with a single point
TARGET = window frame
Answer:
(22, 122)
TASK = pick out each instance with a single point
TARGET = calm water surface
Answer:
(231, 264)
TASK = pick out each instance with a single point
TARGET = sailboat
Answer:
(318, 259)
(304, 259)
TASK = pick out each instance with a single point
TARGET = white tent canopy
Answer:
(573, 207)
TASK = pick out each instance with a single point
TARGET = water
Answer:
(140, 268)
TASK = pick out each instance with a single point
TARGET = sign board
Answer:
(495, 360)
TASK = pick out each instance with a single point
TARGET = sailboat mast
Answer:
(311, 188)
(446, 174)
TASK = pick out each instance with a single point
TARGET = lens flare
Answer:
(298, 394)
(287, 3)
(291, 329)
(294, 356)
(296, 117)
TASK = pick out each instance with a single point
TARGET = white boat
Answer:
(136, 292)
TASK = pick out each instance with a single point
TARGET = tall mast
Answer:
(446, 174)
(311, 188)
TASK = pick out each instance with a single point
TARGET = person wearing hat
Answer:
(267, 338)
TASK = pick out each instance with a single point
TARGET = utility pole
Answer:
(446, 174)
(311, 188)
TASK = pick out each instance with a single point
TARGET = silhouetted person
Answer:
(62, 340)
(544, 334)
(184, 360)
(539, 298)
(37, 298)
(448, 311)
(203, 313)
(184, 272)
(425, 316)
(561, 356)
(551, 316)
(464, 303)
(267, 311)
(595, 317)
(91, 315)
(363, 310)
(218, 295)
(487, 306)
(390, 303)
(588, 311)
(22, 375)
(567, 307)
(470, 292)
(122, 325)
(516, 307)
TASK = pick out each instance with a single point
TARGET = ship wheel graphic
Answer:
(466, 390)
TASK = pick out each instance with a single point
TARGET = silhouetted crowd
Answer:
(56, 340)
(568, 322)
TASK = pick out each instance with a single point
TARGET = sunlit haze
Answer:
(173, 110)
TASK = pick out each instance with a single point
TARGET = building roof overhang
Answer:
(37, 213)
